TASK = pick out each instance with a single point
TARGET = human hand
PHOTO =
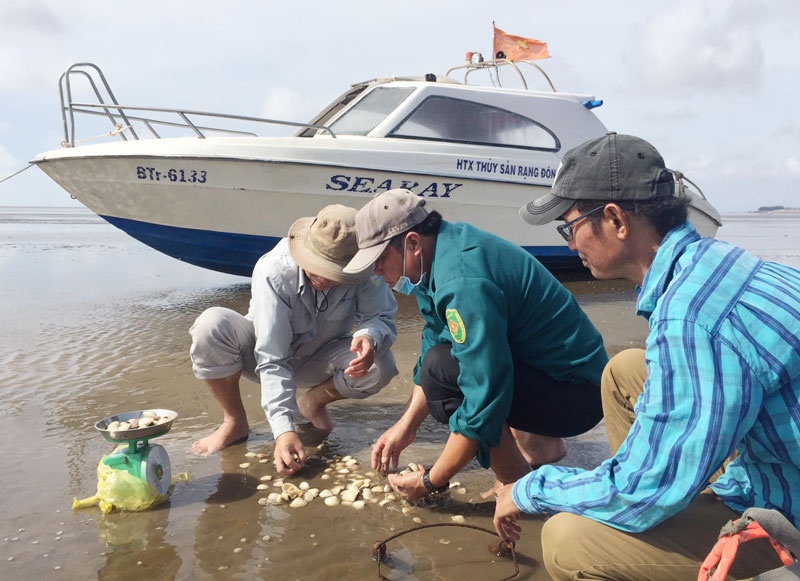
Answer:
(506, 515)
(409, 485)
(363, 347)
(386, 451)
(290, 454)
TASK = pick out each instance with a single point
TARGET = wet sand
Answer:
(96, 324)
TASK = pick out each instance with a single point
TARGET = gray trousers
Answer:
(223, 343)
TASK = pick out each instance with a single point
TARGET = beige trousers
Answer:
(576, 547)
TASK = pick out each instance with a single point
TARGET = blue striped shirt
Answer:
(723, 362)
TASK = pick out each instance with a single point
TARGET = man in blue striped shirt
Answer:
(719, 377)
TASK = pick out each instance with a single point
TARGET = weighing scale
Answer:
(145, 461)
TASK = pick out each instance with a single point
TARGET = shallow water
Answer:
(96, 324)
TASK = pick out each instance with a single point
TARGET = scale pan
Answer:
(166, 417)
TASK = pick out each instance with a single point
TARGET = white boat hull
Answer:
(223, 212)
(207, 210)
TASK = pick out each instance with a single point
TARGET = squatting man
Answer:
(298, 333)
(508, 359)
(703, 423)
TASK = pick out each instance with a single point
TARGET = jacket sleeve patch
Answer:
(456, 326)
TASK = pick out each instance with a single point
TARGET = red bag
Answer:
(755, 523)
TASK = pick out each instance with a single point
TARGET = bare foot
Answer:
(538, 450)
(492, 492)
(315, 413)
(227, 434)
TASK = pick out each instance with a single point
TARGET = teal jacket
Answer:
(494, 304)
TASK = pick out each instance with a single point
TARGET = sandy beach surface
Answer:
(95, 324)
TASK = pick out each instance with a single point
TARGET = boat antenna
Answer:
(495, 76)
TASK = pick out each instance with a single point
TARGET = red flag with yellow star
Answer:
(518, 48)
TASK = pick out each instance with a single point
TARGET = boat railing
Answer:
(475, 63)
(124, 118)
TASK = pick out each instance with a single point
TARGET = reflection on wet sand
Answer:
(137, 544)
(223, 541)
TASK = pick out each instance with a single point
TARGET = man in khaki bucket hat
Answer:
(298, 332)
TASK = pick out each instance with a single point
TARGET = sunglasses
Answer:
(568, 230)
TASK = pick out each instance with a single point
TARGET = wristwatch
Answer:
(426, 480)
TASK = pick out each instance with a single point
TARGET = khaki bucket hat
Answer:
(323, 244)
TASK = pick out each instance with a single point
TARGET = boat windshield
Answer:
(448, 119)
(369, 111)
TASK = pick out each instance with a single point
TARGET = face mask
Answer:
(404, 285)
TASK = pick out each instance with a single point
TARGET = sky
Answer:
(710, 83)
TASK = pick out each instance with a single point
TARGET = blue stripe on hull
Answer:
(556, 257)
(221, 251)
(237, 253)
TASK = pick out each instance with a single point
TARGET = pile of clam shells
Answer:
(346, 485)
(147, 418)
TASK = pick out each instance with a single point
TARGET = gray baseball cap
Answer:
(385, 216)
(613, 167)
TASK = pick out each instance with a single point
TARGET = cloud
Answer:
(689, 47)
(789, 131)
(8, 162)
(26, 27)
(287, 105)
(27, 16)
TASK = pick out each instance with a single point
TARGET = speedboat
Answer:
(217, 190)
